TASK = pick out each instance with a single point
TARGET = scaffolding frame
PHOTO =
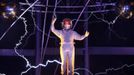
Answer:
(68, 6)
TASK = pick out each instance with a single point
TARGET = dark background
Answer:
(99, 37)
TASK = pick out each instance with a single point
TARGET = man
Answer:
(67, 50)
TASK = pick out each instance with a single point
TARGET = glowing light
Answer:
(4, 15)
(18, 19)
(9, 12)
(126, 12)
(8, 8)
(126, 8)
(2, 74)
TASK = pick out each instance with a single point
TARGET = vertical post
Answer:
(44, 28)
(38, 43)
(109, 33)
(86, 42)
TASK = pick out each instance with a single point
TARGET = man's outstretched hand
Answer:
(53, 20)
(86, 34)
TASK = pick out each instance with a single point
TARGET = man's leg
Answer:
(71, 62)
(63, 60)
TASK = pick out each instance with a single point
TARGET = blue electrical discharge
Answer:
(114, 69)
(17, 19)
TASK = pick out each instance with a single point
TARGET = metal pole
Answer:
(86, 43)
(38, 44)
(71, 6)
(72, 12)
(86, 49)
(44, 29)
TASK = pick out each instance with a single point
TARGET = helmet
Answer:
(66, 20)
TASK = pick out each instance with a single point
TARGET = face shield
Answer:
(67, 23)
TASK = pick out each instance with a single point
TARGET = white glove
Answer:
(86, 34)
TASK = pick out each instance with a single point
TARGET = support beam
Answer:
(79, 51)
(86, 42)
(71, 12)
(70, 6)
(38, 44)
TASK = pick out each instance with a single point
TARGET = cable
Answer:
(44, 26)
(17, 19)
(81, 14)
(54, 14)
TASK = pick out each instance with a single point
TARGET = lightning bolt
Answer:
(84, 69)
(113, 69)
(105, 21)
(19, 43)
(42, 65)
(22, 56)
(111, 22)
(35, 26)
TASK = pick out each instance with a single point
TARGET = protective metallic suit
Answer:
(67, 49)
